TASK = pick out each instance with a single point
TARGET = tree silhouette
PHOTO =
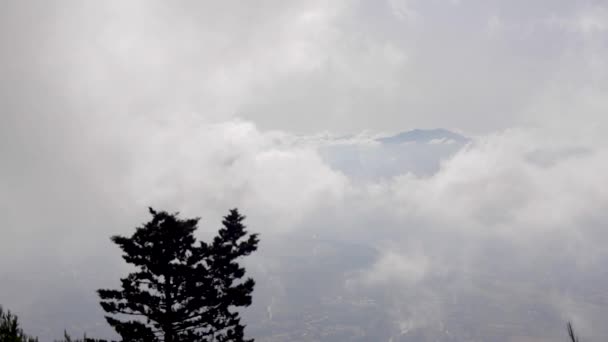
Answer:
(182, 291)
(10, 330)
(571, 333)
(68, 338)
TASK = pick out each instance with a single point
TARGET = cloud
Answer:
(486, 211)
(394, 267)
(587, 21)
(340, 60)
(108, 108)
(403, 10)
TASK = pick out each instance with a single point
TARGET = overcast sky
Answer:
(199, 106)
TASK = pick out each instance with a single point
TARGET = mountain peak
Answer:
(423, 136)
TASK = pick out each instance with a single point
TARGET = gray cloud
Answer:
(108, 108)
(329, 64)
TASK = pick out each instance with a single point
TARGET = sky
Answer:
(109, 107)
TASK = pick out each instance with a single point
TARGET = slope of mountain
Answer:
(424, 136)
(418, 152)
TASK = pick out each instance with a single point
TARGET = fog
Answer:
(278, 108)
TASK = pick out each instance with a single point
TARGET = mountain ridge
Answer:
(423, 136)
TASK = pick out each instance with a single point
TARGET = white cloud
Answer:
(424, 228)
(586, 21)
(395, 268)
(404, 10)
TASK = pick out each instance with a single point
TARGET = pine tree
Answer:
(227, 248)
(10, 329)
(182, 291)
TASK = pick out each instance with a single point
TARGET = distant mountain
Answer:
(418, 152)
(424, 136)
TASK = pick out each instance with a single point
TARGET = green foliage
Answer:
(10, 331)
(182, 290)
